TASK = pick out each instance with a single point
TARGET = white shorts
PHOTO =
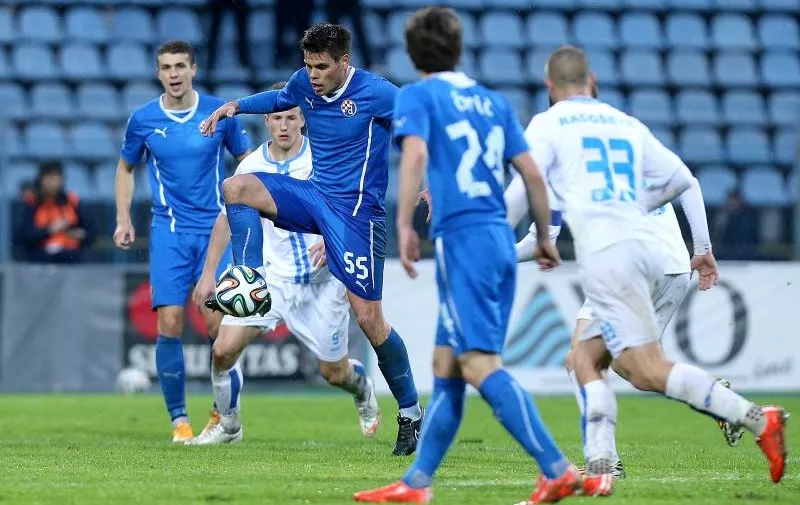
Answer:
(318, 314)
(628, 298)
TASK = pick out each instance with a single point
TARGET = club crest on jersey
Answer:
(349, 108)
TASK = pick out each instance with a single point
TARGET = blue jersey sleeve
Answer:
(515, 137)
(385, 97)
(411, 116)
(133, 146)
(278, 100)
(236, 140)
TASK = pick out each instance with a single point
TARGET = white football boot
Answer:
(368, 411)
(220, 434)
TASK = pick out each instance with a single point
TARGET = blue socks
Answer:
(514, 408)
(394, 365)
(441, 424)
(247, 235)
(171, 375)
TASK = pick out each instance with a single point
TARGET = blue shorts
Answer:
(355, 246)
(476, 270)
(176, 263)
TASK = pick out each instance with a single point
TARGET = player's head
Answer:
(595, 94)
(176, 66)
(326, 53)
(50, 180)
(285, 127)
(434, 40)
(567, 74)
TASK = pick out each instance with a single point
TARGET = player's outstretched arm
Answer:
(220, 236)
(412, 169)
(124, 184)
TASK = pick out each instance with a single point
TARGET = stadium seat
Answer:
(736, 5)
(547, 29)
(780, 70)
(133, 24)
(105, 175)
(594, 29)
(86, 24)
(7, 27)
(99, 101)
(535, 62)
(232, 91)
(644, 5)
(652, 107)
(793, 187)
(733, 32)
(641, 68)
(743, 108)
(502, 30)
(785, 146)
(51, 101)
(764, 186)
(261, 25)
(686, 31)
(11, 142)
(688, 69)
(469, 31)
(14, 100)
(499, 66)
(400, 67)
(784, 108)
(520, 101)
(178, 23)
(78, 178)
(701, 145)
(640, 30)
(614, 98)
(691, 5)
(666, 137)
(697, 107)
(93, 141)
(81, 61)
(45, 140)
(129, 61)
(33, 61)
(468, 65)
(603, 66)
(747, 146)
(137, 94)
(557, 4)
(15, 176)
(605, 5)
(40, 24)
(780, 5)
(735, 69)
(716, 182)
(228, 68)
(395, 26)
(778, 32)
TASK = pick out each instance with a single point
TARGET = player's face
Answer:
(284, 127)
(326, 74)
(175, 71)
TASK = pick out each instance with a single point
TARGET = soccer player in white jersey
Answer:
(597, 159)
(305, 295)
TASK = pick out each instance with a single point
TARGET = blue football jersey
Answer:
(349, 135)
(186, 169)
(472, 134)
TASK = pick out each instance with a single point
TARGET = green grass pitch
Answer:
(307, 449)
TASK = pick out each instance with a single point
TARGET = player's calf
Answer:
(351, 376)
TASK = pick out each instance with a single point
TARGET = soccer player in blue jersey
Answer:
(186, 174)
(466, 135)
(348, 112)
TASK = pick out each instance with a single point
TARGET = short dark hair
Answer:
(277, 85)
(568, 66)
(434, 39)
(176, 47)
(327, 38)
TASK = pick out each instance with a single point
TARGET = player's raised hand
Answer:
(425, 196)
(706, 266)
(203, 290)
(226, 110)
(318, 255)
(124, 235)
(408, 243)
(546, 255)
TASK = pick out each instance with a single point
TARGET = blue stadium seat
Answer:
(499, 66)
(86, 24)
(99, 101)
(228, 67)
(469, 30)
(686, 31)
(5, 65)
(520, 101)
(502, 30)
(232, 91)
(81, 61)
(614, 98)
(600, 4)
(785, 146)
(16, 175)
(735, 69)
(261, 25)
(137, 94)
(594, 29)
(14, 100)
(129, 61)
(7, 27)
(401, 69)
(395, 26)
(748, 146)
(45, 140)
(34, 62)
(40, 24)
(541, 101)
(468, 64)
(268, 3)
(177, 23)
(716, 182)
(692, 5)
(133, 24)
(11, 142)
(645, 5)
(701, 145)
(604, 68)
(547, 29)
(51, 101)
(780, 70)
(764, 186)
(640, 30)
(733, 32)
(535, 62)
(640, 68)
(557, 4)
(105, 175)
(793, 187)
(688, 69)
(780, 5)
(665, 136)
(78, 178)
(784, 108)
(697, 107)
(93, 141)
(736, 5)
(778, 32)
(743, 108)
(652, 107)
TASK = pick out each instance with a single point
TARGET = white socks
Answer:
(600, 414)
(697, 388)
(227, 386)
(579, 397)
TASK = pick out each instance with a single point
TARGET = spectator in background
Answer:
(52, 227)
(335, 9)
(736, 230)
(290, 14)
(241, 13)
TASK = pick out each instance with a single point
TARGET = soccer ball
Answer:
(241, 291)
(131, 381)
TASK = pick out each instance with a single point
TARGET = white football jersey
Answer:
(596, 159)
(676, 255)
(286, 255)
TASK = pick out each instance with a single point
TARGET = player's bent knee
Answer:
(476, 366)
(224, 352)
(170, 321)
(335, 374)
(233, 189)
(569, 361)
